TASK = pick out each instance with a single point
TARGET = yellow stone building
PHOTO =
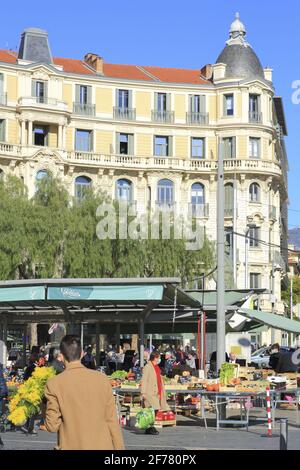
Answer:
(151, 135)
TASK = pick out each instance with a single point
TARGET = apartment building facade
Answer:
(151, 136)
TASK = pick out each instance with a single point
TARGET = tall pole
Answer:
(273, 298)
(220, 260)
(234, 238)
(291, 335)
(246, 257)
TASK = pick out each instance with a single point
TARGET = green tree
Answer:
(286, 293)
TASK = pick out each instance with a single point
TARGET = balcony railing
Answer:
(165, 206)
(272, 213)
(255, 117)
(84, 109)
(128, 114)
(42, 101)
(199, 210)
(163, 116)
(197, 118)
(3, 99)
(228, 211)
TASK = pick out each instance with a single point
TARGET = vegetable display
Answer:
(119, 374)
(226, 373)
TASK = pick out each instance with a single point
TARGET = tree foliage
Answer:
(52, 235)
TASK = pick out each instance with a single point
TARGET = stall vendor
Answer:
(152, 387)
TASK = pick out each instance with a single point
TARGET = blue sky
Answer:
(172, 33)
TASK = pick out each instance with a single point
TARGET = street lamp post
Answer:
(220, 260)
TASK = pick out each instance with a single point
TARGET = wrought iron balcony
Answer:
(255, 117)
(84, 109)
(199, 210)
(128, 114)
(165, 206)
(228, 211)
(3, 99)
(197, 118)
(163, 116)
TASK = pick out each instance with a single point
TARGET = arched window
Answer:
(254, 192)
(198, 200)
(41, 175)
(124, 190)
(229, 195)
(82, 183)
(165, 193)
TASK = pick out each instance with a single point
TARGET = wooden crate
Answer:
(162, 424)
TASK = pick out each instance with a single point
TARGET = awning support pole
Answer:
(199, 340)
(202, 342)
(118, 331)
(24, 343)
(142, 338)
(97, 343)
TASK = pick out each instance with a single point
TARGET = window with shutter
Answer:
(2, 130)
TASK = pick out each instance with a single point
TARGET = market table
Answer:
(197, 392)
(220, 399)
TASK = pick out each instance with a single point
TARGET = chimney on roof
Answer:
(94, 61)
(207, 72)
(34, 46)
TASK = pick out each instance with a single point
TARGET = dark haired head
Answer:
(70, 347)
(153, 355)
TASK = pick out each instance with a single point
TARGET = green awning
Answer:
(28, 293)
(278, 322)
(111, 293)
(209, 298)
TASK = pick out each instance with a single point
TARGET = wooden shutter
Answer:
(202, 104)
(224, 106)
(170, 146)
(155, 101)
(168, 101)
(2, 130)
(33, 88)
(228, 196)
(259, 103)
(117, 143)
(117, 98)
(130, 144)
(45, 89)
(259, 148)
(130, 99)
(191, 103)
(91, 138)
(234, 147)
(77, 93)
(89, 95)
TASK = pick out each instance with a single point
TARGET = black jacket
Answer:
(285, 363)
(273, 361)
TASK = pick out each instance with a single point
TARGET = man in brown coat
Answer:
(80, 405)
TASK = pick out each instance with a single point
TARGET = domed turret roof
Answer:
(238, 55)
